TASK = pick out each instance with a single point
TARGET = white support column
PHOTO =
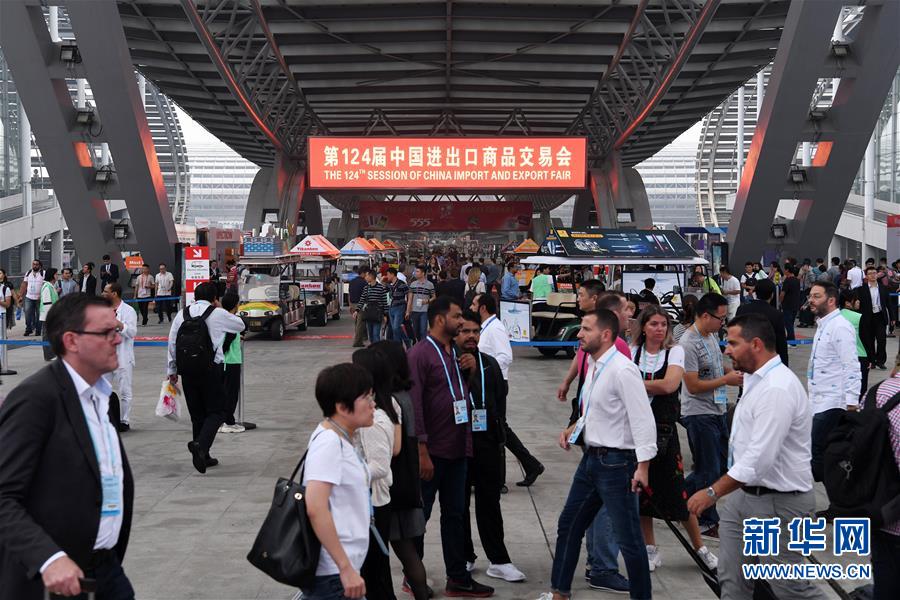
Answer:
(104, 154)
(54, 24)
(806, 156)
(25, 159)
(26, 255)
(739, 143)
(56, 249)
(760, 92)
(869, 193)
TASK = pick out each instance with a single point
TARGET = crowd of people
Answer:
(421, 417)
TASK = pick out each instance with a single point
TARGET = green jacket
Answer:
(854, 317)
(234, 356)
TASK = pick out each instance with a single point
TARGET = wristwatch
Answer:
(711, 493)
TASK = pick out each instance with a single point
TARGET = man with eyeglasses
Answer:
(704, 401)
(67, 493)
(123, 376)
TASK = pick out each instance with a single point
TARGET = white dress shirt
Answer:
(855, 275)
(618, 412)
(875, 294)
(95, 405)
(833, 376)
(219, 322)
(128, 318)
(164, 283)
(494, 342)
(34, 280)
(770, 443)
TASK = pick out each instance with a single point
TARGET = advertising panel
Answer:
(196, 269)
(516, 317)
(447, 163)
(444, 216)
(623, 243)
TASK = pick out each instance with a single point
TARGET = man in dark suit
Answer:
(873, 306)
(765, 291)
(109, 272)
(87, 283)
(66, 490)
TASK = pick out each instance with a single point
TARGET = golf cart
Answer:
(626, 258)
(271, 296)
(316, 270)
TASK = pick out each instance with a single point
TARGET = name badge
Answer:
(576, 433)
(809, 374)
(721, 396)
(479, 419)
(460, 414)
(420, 302)
(112, 496)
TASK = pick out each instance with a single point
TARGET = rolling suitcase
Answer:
(88, 586)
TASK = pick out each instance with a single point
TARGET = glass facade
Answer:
(220, 185)
(887, 152)
(669, 178)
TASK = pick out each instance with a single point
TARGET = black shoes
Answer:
(123, 427)
(504, 489)
(198, 458)
(211, 462)
(468, 589)
(531, 476)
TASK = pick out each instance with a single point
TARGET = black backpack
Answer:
(194, 352)
(861, 477)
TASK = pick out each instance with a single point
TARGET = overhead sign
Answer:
(444, 216)
(622, 243)
(196, 269)
(134, 262)
(447, 163)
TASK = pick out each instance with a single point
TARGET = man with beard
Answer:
(487, 390)
(833, 376)
(441, 403)
(770, 455)
(619, 434)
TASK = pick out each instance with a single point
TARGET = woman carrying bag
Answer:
(337, 479)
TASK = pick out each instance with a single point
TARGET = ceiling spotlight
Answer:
(817, 113)
(798, 175)
(779, 231)
(840, 49)
(104, 175)
(84, 116)
(68, 52)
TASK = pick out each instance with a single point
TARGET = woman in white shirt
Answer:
(662, 368)
(337, 482)
(379, 444)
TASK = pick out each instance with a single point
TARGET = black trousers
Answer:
(205, 398)
(232, 389)
(376, 570)
(144, 308)
(112, 583)
(165, 307)
(484, 476)
(879, 325)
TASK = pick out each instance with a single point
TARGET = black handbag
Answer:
(286, 547)
(371, 312)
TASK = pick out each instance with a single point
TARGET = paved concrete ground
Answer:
(192, 532)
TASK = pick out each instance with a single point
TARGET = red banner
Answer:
(447, 163)
(444, 216)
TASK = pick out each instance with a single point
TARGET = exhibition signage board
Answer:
(619, 243)
(499, 163)
(444, 216)
(196, 269)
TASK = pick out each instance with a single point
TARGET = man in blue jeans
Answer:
(441, 401)
(619, 435)
(704, 401)
(399, 292)
(421, 293)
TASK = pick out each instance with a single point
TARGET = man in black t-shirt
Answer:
(791, 299)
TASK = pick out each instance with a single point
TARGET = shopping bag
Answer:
(168, 405)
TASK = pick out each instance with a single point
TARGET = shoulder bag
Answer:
(286, 547)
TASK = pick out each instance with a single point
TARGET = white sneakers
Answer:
(655, 559)
(708, 557)
(507, 572)
(545, 596)
(236, 428)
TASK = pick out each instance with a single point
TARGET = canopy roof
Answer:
(316, 245)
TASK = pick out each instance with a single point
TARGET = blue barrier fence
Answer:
(153, 299)
(562, 344)
(42, 343)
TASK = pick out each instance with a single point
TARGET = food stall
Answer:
(625, 257)
(317, 270)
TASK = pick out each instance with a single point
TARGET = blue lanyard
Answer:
(581, 405)
(488, 322)
(462, 393)
(483, 393)
(717, 360)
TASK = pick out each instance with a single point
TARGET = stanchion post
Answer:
(4, 366)
(240, 416)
